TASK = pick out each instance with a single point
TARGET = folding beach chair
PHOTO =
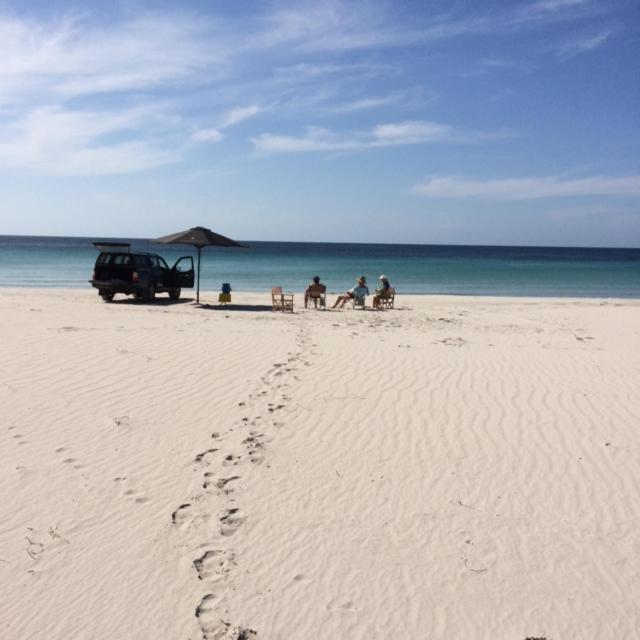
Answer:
(387, 298)
(359, 302)
(281, 301)
(318, 294)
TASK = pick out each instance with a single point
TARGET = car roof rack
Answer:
(113, 247)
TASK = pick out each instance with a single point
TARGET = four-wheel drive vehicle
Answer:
(118, 270)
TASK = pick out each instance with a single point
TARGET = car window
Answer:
(184, 265)
(153, 260)
(162, 263)
(140, 261)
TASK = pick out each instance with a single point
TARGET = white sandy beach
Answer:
(456, 468)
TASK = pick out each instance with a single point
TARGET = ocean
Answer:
(67, 262)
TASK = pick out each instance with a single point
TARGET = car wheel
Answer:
(107, 296)
(174, 294)
(150, 293)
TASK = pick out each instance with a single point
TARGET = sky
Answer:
(457, 122)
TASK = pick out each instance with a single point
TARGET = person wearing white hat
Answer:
(382, 291)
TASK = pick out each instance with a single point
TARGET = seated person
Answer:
(382, 291)
(359, 291)
(314, 290)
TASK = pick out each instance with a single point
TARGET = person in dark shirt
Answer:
(314, 291)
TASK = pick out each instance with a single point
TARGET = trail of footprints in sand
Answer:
(223, 468)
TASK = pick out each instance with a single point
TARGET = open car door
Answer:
(182, 273)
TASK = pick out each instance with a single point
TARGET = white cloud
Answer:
(366, 103)
(232, 117)
(239, 114)
(62, 142)
(72, 58)
(529, 188)
(411, 132)
(383, 135)
(206, 135)
(316, 139)
(171, 62)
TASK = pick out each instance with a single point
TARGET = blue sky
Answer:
(428, 122)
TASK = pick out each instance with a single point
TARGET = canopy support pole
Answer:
(198, 290)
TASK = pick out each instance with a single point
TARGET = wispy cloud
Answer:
(206, 135)
(382, 135)
(72, 58)
(234, 116)
(315, 139)
(411, 98)
(411, 132)
(556, 5)
(301, 56)
(529, 188)
(63, 142)
(584, 44)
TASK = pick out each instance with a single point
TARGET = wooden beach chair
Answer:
(281, 301)
(318, 294)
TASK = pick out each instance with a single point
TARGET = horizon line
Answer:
(407, 244)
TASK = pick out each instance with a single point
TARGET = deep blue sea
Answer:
(29, 261)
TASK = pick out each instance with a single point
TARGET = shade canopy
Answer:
(199, 237)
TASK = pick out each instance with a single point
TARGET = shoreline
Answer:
(461, 466)
(188, 296)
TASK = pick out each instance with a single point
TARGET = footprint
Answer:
(208, 481)
(213, 565)
(200, 457)
(345, 606)
(231, 521)
(34, 548)
(230, 459)
(273, 408)
(453, 342)
(213, 627)
(222, 484)
(182, 514)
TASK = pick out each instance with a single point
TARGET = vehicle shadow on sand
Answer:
(237, 307)
(156, 302)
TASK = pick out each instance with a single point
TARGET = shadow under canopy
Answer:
(199, 237)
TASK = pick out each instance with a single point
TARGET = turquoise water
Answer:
(27, 261)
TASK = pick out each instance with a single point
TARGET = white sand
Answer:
(456, 468)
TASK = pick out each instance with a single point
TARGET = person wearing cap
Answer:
(382, 291)
(359, 291)
(315, 290)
